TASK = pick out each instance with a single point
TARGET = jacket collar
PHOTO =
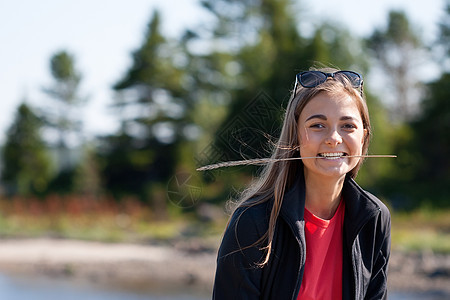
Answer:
(293, 205)
(359, 206)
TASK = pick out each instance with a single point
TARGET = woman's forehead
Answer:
(327, 104)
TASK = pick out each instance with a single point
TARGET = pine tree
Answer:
(63, 115)
(397, 49)
(27, 166)
(153, 104)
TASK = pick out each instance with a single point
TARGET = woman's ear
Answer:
(364, 135)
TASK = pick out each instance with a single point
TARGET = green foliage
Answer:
(152, 66)
(332, 45)
(397, 34)
(144, 151)
(444, 27)
(431, 143)
(396, 49)
(65, 89)
(62, 68)
(420, 173)
(63, 116)
(422, 229)
(432, 138)
(217, 94)
(27, 168)
(384, 133)
(87, 177)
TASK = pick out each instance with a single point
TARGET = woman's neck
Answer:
(323, 195)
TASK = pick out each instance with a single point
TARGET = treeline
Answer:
(216, 93)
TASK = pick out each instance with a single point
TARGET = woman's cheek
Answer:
(304, 136)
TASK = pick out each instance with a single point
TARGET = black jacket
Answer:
(366, 244)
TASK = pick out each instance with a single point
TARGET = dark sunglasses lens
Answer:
(353, 77)
(312, 78)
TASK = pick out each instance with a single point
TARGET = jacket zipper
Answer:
(302, 257)
(353, 250)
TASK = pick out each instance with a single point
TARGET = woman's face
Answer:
(330, 127)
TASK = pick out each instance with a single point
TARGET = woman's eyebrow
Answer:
(345, 118)
(322, 117)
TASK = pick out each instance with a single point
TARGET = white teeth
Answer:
(334, 155)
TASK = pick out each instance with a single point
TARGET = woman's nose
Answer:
(334, 138)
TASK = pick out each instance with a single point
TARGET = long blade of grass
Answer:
(261, 161)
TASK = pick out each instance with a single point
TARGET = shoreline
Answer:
(142, 267)
(128, 266)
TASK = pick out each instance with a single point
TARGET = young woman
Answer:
(305, 229)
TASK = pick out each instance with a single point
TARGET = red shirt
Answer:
(322, 278)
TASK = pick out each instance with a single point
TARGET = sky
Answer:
(102, 34)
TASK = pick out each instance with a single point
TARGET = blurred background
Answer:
(108, 108)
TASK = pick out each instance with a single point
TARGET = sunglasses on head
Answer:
(310, 79)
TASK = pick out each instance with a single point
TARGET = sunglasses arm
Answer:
(295, 86)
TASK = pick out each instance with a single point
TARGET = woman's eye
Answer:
(349, 126)
(317, 126)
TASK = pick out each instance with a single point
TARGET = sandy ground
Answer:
(143, 267)
(147, 267)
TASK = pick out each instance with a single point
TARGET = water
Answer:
(25, 288)
(437, 295)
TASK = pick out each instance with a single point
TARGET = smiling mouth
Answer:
(332, 155)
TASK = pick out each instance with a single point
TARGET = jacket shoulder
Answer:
(363, 202)
(247, 226)
(371, 198)
(381, 206)
(238, 275)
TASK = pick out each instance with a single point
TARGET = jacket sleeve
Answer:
(377, 288)
(237, 273)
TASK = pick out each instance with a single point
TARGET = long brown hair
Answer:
(277, 177)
